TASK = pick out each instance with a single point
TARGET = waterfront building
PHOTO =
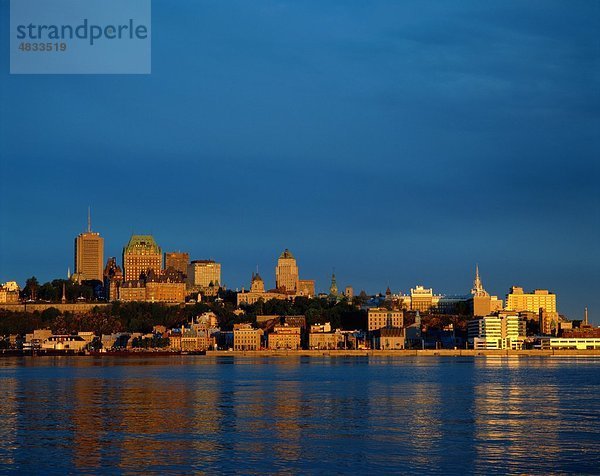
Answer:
(323, 337)
(579, 343)
(197, 337)
(388, 339)
(413, 334)
(286, 273)
(203, 273)
(64, 342)
(285, 337)
(113, 277)
(517, 300)
(37, 337)
(89, 254)
(379, 318)
(504, 331)
(245, 337)
(178, 261)
(140, 255)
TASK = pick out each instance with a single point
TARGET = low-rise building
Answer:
(379, 318)
(579, 343)
(9, 293)
(64, 342)
(323, 337)
(245, 337)
(388, 339)
(257, 292)
(285, 337)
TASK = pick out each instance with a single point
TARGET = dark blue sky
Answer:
(399, 142)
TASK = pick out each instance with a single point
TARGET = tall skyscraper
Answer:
(89, 253)
(177, 260)
(286, 272)
(140, 255)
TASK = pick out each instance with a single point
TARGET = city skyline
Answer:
(398, 144)
(269, 275)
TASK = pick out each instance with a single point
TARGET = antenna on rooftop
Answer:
(89, 219)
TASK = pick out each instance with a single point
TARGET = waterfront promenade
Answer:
(407, 353)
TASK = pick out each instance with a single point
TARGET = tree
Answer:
(30, 289)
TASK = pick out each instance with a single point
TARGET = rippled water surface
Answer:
(300, 415)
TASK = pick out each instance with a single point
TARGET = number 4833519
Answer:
(43, 46)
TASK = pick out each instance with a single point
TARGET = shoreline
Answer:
(326, 353)
(407, 353)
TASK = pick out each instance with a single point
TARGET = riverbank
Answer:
(407, 353)
(318, 353)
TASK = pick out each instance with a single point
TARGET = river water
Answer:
(184, 414)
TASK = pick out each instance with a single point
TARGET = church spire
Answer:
(333, 289)
(477, 284)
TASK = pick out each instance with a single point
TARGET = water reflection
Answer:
(292, 415)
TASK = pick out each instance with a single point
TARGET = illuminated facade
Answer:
(204, 273)
(257, 292)
(89, 254)
(140, 255)
(286, 273)
(285, 337)
(379, 318)
(245, 337)
(518, 300)
(483, 303)
(9, 293)
(497, 332)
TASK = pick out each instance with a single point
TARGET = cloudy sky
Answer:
(397, 142)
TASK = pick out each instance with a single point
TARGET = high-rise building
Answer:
(140, 255)
(286, 273)
(518, 300)
(177, 260)
(89, 254)
(202, 273)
